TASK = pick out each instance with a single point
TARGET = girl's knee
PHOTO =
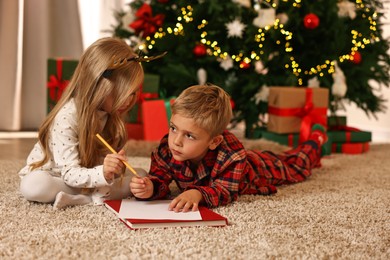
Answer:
(36, 186)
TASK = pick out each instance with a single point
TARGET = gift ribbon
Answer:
(290, 141)
(146, 22)
(144, 96)
(308, 113)
(346, 129)
(56, 85)
(148, 95)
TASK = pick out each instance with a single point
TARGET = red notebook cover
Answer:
(209, 218)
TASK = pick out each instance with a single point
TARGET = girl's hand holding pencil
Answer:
(114, 163)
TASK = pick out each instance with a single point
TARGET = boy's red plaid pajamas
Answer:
(230, 170)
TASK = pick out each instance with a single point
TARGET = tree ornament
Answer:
(262, 95)
(199, 50)
(260, 69)
(283, 18)
(202, 76)
(265, 17)
(356, 57)
(226, 63)
(235, 28)
(127, 19)
(146, 22)
(313, 82)
(163, 1)
(346, 8)
(245, 65)
(244, 3)
(232, 103)
(311, 21)
(339, 87)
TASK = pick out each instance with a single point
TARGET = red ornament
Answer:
(163, 1)
(245, 65)
(232, 103)
(356, 57)
(311, 21)
(146, 22)
(199, 50)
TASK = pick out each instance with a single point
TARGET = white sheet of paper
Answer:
(155, 209)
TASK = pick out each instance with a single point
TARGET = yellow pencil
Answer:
(113, 151)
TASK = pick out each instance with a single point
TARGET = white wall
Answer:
(96, 17)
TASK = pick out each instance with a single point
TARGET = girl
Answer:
(69, 165)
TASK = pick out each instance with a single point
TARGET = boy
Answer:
(209, 164)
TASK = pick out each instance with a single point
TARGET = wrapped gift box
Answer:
(155, 116)
(350, 148)
(254, 133)
(149, 91)
(59, 72)
(296, 109)
(337, 121)
(291, 140)
(350, 136)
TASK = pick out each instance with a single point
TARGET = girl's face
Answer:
(189, 142)
(109, 101)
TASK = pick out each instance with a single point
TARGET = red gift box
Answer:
(155, 121)
(350, 148)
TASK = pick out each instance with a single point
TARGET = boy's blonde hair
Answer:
(89, 88)
(208, 105)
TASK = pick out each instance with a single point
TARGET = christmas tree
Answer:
(246, 46)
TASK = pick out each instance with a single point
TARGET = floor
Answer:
(16, 148)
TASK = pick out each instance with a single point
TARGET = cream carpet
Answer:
(341, 212)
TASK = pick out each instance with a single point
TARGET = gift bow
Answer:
(146, 22)
(56, 84)
(308, 113)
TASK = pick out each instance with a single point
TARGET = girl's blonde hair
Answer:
(89, 88)
(208, 105)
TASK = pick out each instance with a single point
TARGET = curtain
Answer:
(31, 31)
(11, 51)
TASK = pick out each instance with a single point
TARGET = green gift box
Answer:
(149, 91)
(291, 139)
(59, 72)
(350, 136)
(254, 133)
(337, 121)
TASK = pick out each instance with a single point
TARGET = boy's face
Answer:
(187, 141)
